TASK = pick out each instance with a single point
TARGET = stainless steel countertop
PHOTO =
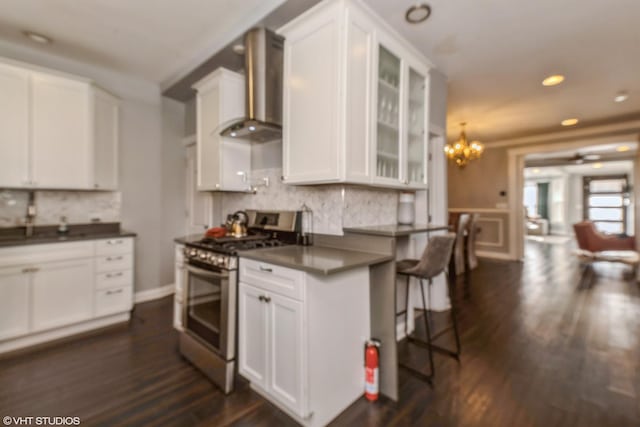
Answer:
(395, 230)
(315, 259)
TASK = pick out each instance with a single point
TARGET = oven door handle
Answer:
(207, 273)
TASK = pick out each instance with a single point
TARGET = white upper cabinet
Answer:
(223, 164)
(105, 140)
(355, 100)
(58, 131)
(14, 126)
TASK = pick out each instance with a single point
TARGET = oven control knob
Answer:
(202, 255)
(193, 252)
(221, 261)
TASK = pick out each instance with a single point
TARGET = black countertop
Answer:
(15, 236)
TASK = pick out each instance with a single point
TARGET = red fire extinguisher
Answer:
(371, 376)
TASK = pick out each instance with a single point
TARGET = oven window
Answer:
(204, 308)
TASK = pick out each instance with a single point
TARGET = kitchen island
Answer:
(303, 320)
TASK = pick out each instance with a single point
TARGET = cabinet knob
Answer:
(267, 299)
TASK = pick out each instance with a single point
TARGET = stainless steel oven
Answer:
(209, 316)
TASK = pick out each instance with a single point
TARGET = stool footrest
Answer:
(433, 347)
(418, 374)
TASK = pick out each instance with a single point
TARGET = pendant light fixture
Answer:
(462, 152)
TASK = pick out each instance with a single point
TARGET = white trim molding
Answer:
(153, 294)
(500, 242)
(479, 210)
(606, 134)
(495, 255)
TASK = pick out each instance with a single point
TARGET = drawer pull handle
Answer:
(111, 275)
(30, 270)
(117, 291)
(266, 269)
(114, 242)
(114, 258)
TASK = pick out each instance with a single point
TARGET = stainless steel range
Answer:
(210, 312)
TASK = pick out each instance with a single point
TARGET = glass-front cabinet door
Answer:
(388, 140)
(415, 125)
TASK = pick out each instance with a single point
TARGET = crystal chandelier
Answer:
(462, 152)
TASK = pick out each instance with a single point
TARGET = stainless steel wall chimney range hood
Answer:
(263, 74)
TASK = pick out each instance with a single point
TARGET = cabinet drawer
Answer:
(119, 245)
(114, 300)
(281, 280)
(114, 279)
(114, 263)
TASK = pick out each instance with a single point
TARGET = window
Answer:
(531, 198)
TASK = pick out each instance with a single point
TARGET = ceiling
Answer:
(494, 52)
(157, 40)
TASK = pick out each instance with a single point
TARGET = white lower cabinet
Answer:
(285, 350)
(253, 333)
(62, 293)
(50, 291)
(14, 303)
(301, 337)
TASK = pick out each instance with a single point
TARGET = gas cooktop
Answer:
(232, 245)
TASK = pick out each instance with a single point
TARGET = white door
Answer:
(14, 127)
(286, 352)
(105, 155)
(14, 302)
(62, 293)
(198, 203)
(252, 335)
(61, 137)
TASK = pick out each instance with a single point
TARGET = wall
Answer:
(477, 187)
(333, 206)
(142, 158)
(76, 206)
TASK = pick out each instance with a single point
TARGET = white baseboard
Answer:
(495, 255)
(155, 293)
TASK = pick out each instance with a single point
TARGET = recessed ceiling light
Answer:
(569, 122)
(592, 157)
(621, 97)
(597, 166)
(233, 134)
(38, 38)
(536, 170)
(623, 148)
(418, 13)
(553, 80)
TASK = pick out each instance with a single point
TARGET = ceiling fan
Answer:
(576, 159)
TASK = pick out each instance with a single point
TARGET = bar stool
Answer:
(434, 261)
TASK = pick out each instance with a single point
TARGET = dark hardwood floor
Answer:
(536, 351)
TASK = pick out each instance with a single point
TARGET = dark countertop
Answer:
(48, 234)
(189, 239)
(315, 259)
(395, 230)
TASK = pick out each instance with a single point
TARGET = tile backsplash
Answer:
(76, 206)
(334, 206)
